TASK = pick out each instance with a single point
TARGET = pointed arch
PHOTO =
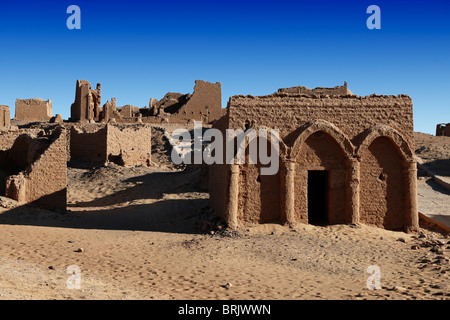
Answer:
(388, 132)
(321, 126)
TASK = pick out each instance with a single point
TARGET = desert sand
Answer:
(148, 233)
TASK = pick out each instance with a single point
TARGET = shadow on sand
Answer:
(179, 215)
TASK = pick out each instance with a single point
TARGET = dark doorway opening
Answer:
(318, 197)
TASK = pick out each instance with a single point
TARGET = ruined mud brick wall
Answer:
(364, 143)
(125, 144)
(336, 91)
(443, 130)
(43, 182)
(5, 117)
(87, 104)
(129, 144)
(88, 143)
(205, 104)
(33, 109)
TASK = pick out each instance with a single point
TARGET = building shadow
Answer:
(111, 212)
(150, 186)
(437, 187)
(172, 216)
(440, 167)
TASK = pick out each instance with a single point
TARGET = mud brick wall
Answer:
(129, 144)
(88, 143)
(205, 104)
(7, 138)
(33, 109)
(43, 183)
(351, 114)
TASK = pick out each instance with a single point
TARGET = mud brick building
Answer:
(343, 159)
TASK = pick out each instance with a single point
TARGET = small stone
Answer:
(426, 260)
(228, 285)
(401, 240)
(79, 250)
(51, 268)
(415, 247)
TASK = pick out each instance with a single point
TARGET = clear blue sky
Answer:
(138, 50)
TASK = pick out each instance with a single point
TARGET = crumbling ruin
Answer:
(86, 106)
(443, 129)
(204, 104)
(33, 164)
(343, 159)
(33, 109)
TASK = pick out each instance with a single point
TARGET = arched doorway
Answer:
(320, 180)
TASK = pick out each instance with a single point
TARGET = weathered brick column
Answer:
(233, 197)
(290, 192)
(353, 181)
(410, 184)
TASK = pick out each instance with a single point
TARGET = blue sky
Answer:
(138, 50)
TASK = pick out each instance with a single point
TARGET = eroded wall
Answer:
(130, 145)
(43, 182)
(33, 109)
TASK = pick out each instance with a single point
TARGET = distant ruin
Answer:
(204, 104)
(443, 129)
(344, 159)
(35, 151)
(33, 109)
(86, 106)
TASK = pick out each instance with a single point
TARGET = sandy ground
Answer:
(135, 233)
